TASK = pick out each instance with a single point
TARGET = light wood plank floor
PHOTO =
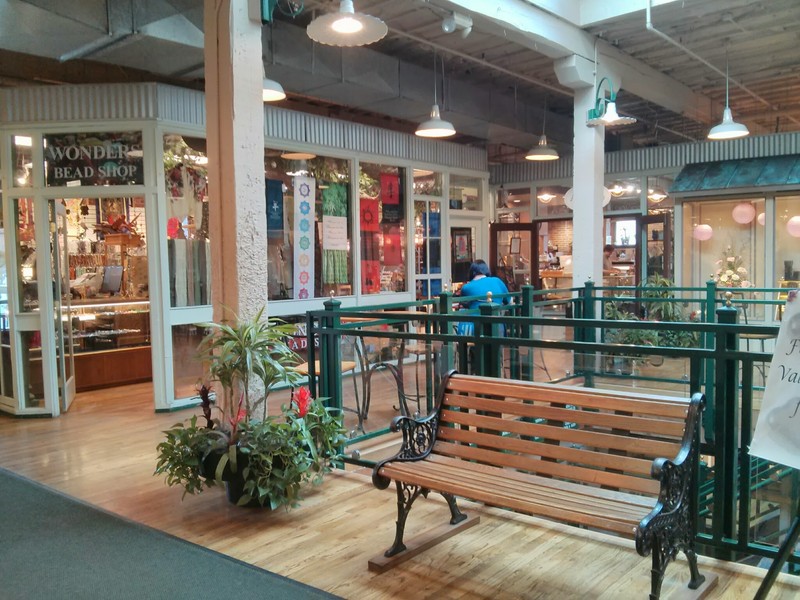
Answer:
(103, 451)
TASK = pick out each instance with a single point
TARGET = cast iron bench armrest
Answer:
(418, 438)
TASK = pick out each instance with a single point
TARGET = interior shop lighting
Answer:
(655, 195)
(298, 155)
(346, 27)
(545, 197)
(542, 150)
(604, 113)
(435, 127)
(23, 140)
(728, 129)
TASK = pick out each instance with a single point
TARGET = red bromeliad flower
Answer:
(241, 414)
(302, 398)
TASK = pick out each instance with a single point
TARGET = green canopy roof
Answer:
(738, 175)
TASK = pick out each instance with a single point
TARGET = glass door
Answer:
(657, 246)
(62, 308)
(514, 254)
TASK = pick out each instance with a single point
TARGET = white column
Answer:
(235, 132)
(587, 188)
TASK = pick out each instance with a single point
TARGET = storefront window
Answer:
(622, 194)
(309, 220)
(26, 254)
(723, 241)
(97, 158)
(428, 247)
(553, 200)
(22, 158)
(188, 247)
(188, 372)
(658, 198)
(513, 205)
(466, 193)
(427, 183)
(31, 349)
(382, 227)
(787, 240)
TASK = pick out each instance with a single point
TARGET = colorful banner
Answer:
(274, 209)
(304, 195)
(391, 198)
(392, 247)
(369, 215)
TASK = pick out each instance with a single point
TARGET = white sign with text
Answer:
(777, 433)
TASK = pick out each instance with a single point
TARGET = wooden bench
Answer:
(577, 455)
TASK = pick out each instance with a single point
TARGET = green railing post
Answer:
(447, 355)
(708, 365)
(582, 363)
(726, 447)
(330, 356)
(526, 332)
(487, 350)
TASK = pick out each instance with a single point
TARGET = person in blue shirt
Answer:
(480, 282)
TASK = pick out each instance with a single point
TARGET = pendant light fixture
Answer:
(728, 129)
(435, 127)
(346, 27)
(543, 150)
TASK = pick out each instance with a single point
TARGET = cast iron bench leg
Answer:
(456, 516)
(406, 494)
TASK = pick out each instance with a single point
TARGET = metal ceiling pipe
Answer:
(650, 27)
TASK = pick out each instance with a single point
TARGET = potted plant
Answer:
(264, 460)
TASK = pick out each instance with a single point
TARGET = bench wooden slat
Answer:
(664, 406)
(582, 417)
(534, 449)
(619, 505)
(494, 495)
(570, 472)
(554, 485)
(609, 441)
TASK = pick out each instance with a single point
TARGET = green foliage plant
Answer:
(274, 455)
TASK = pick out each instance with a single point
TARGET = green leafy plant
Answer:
(662, 305)
(242, 355)
(270, 456)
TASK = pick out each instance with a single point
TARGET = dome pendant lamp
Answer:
(435, 127)
(728, 129)
(346, 27)
(543, 150)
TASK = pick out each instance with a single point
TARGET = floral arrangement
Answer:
(731, 271)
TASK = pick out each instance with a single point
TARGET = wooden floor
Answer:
(103, 451)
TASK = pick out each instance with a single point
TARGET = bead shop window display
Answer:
(382, 227)
(188, 245)
(309, 220)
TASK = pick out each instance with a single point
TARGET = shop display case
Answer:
(111, 342)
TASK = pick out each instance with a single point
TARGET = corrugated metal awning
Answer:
(735, 176)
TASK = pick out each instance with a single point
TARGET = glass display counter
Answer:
(111, 342)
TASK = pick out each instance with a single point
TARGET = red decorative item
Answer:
(369, 215)
(392, 247)
(390, 188)
(302, 399)
(370, 276)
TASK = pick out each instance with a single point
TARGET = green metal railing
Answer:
(507, 338)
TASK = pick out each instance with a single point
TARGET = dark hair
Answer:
(479, 267)
(608, 248)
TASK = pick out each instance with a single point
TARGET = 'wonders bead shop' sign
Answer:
(94, 158)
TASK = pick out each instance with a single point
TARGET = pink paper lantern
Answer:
(744, 213)
(703, 232)
(793, 226)
(762, 218)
